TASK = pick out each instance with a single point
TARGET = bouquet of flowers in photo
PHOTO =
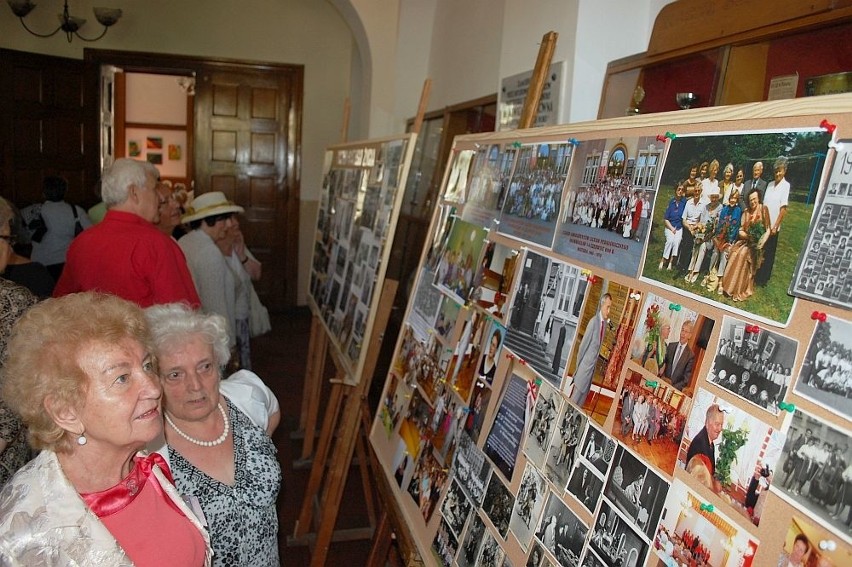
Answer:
(757, 236)
(704, 232)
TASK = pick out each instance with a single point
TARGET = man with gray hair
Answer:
(125, 254)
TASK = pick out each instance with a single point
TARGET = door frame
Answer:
(183, 65)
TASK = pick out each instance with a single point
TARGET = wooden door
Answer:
(247, 134)
(43, 122)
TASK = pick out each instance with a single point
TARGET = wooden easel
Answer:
(345, 427)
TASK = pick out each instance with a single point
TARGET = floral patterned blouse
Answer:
(242, 519)
(14, 301)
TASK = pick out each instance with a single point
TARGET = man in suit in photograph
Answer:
(754, 184)
(679, 360)
(587, 354)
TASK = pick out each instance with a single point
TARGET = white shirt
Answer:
(775, 198)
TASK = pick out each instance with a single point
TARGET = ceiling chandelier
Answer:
(67, 23)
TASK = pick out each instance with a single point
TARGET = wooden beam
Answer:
(539, 77)
(421, 108)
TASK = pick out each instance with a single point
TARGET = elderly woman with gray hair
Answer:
(217, 434)
(81, 375)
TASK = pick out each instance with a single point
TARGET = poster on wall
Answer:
(731, 215)
(607, 202)
(824, 267)
(359, 205)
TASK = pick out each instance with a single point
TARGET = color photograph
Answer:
(489, 178)
(731, 217)
(606, 212)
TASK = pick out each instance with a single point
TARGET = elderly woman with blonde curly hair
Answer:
(81, 374)
(217, 435)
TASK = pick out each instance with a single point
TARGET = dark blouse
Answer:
(32, 276)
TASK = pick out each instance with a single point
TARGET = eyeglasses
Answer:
(9, 239)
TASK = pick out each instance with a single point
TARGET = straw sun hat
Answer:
(208, 205)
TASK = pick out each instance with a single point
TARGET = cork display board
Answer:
(629, 343)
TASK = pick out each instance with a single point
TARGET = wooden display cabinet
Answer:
(728, 51)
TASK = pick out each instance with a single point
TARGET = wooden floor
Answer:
(279, 358)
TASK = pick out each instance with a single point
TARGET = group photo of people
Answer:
(826, 374)
(732, 214)
(754, 363)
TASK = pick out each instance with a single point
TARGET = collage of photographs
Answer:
(598, 365)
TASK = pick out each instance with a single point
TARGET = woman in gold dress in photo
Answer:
(746, 253)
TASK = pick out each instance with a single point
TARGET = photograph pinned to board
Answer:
(537, 557)
(469, 550)
(590, 559)
(498, 504)
(455, 508)
(489, 179)
(561, 532)
(477, 354)
(511, 421)
(491, 554)
(807, 543)
(471, 469)
(731, 452)
(528, 505)
(456, 188)
(425, 307)
(606, 210)
(637, 491)
(531, 207)
(754, 363)
(397, 392)
(669, 339)
(825, 264)
(460, 259)
(542, 322)
(445, 545)
(479, 401)
(650, 419)
(826, 374)
(494, 279)
(615, 540)
(565, 446)
(586, 487)
(427, 482)
(813, 472)
(597, 449)
(693, 530)
(731, 215)
(448, 316)
(607, 324)
(548, 404)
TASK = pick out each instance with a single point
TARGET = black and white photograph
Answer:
(548, 404)
(456, 189)
(531, 207)
(561, 532)
(471, 469)
(615, 541)
(607, 209)
(469, 550)
(528, 505)
(456, 508)
(590, 559)
(826, 373)
(490, 553)
(754, 363)
(636, 490)
(536, 556)
(445, 545)
(598, 449)
(565, 446)
(498, 505)
(814, 472)
(825, 263)
(489, 178)
(546, 305)
(586, 487)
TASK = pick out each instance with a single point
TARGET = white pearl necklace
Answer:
(218, 441)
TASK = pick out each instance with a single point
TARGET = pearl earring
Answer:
(81, 440)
